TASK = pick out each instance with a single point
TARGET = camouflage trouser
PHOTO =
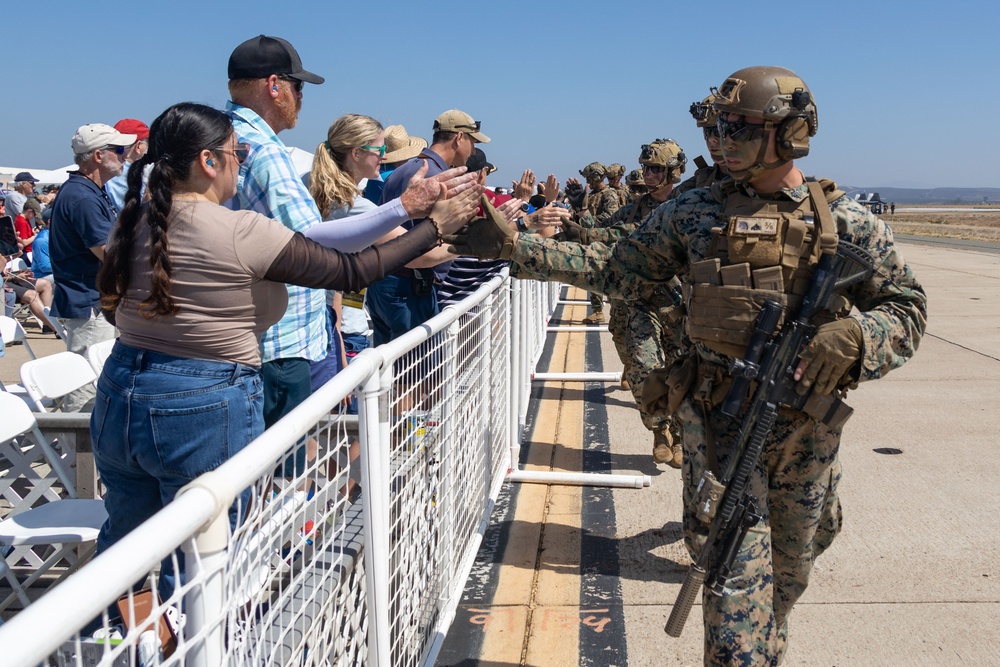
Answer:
(596, 302)
(644, 341)
(796, 488)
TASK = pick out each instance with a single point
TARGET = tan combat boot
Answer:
(677, 455)
(596, 317)
(665, 450)
(623, 381)
(661, 447)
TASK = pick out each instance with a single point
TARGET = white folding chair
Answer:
(12, 332)
(99, 353)
(61, 523)
(54, 323)
(54, 376)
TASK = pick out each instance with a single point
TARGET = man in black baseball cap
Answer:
(266, 78)
(262, 56)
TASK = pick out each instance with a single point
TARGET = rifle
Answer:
(725, 504)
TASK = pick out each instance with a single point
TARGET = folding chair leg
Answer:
(63, 550)
(17, 590)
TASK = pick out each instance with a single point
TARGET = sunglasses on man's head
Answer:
(117, 150)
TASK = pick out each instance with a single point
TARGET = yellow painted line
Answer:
(537, 602)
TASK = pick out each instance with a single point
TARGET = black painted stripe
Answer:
(600, 584)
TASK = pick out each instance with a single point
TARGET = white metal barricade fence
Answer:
(353, 536)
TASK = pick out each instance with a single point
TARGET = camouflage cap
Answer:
(594, 169)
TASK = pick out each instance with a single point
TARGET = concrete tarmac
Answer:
(913, 578)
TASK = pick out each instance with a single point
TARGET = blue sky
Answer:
(556, 85)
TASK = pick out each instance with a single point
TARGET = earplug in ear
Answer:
(274, 88)
(209, 163)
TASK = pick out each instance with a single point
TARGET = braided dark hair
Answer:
(176, 138)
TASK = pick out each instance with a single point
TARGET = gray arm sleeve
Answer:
(358, 232)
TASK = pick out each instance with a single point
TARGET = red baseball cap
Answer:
(133, 126)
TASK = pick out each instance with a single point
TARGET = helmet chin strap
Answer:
(759, 166)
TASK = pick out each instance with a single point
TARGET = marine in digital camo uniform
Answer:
(636, 186)
(706, 118)
(602, 202)
(770, 220)
(645, 339)
(615, 172)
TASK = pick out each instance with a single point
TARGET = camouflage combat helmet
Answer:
(594, 169)
(665, 153)
(634, 179)
(615, 170)
(778, 96)
(704, 113)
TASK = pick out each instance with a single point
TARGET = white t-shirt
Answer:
(355, 321)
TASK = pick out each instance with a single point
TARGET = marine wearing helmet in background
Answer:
(614, 174)
(706, 117)
(635, 184)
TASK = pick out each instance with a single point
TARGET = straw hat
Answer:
(400, 146)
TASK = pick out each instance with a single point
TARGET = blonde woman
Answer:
(352, 152)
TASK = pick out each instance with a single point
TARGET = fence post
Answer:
(446, 426)
(517, 370)
(373, 440)
(205, 557)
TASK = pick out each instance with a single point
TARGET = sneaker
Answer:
(596, 317)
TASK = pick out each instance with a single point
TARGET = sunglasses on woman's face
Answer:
(241, 151)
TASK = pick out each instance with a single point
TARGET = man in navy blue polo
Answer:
(408, 298)
(82, 215)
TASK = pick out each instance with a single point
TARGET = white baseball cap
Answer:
(98, 135)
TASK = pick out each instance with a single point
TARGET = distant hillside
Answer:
(964, 196)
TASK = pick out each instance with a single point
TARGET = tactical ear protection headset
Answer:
(791, 138)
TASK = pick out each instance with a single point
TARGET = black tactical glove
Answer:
(573, 232)
(577, 196)
(486, 238)
(831, 353)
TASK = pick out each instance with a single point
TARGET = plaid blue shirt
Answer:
(269, 185)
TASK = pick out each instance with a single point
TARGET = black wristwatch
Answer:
(521, 225)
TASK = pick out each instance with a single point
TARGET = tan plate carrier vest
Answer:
(767, 250)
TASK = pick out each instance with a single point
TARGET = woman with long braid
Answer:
(192, 286)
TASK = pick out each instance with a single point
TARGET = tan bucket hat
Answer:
(400, 146)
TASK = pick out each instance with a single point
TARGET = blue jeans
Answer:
(160, 421)
(395, 309)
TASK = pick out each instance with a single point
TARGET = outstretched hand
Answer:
(510, 209)
(453, 213)
(549, 216)
(489, 237)
(525, 188)
(456, 180)
(550, 189)
(573, 232)
(576, 194)
(422, 193)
